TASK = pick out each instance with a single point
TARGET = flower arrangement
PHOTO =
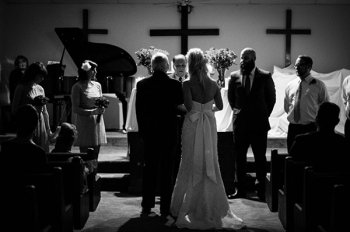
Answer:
(221, 58)
(101, 102)
(40, 100)
(144, 55)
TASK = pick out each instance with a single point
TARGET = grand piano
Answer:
(113, 62)
(115, 69)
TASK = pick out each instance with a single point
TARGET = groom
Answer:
(157, 99)
(252, 96)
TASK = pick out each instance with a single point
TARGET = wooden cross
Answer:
(87, 30)
(184, 32)
(288, 31)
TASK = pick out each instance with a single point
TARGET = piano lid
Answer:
(111, 60)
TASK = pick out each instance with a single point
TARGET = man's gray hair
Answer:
(160, 62)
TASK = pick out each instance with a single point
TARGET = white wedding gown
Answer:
(199, 200)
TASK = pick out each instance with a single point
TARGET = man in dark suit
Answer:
(157, 100)
(180, 74)
(252, 96)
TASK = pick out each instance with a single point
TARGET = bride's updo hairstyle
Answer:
(197, 64)
(86, 67)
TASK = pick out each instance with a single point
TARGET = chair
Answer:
(274, 179)
(316, 206)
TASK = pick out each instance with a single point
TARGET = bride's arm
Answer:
(187, 95)
(218, 100)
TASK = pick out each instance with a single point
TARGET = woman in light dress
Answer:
(199, 200)
(91, 132)
(26, 92)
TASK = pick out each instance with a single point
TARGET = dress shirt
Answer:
(313, 93)
(346, 96)
(176, 77)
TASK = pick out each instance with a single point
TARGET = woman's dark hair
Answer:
(83, 75)
(18, 58)
(36, 68)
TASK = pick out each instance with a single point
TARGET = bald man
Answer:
(252, 96)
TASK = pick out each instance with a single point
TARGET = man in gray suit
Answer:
(252, 96)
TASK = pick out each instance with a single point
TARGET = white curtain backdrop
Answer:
(278, 118)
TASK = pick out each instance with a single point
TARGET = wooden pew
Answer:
(316, 205)
(45, 204)
(274, 179)
(340, 203)
(93, 179)
(29, 213)
(76, 191)
(291, 191)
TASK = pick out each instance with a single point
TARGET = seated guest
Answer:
(22, 150)
(66, 138)
(323, 149)
(65, 141)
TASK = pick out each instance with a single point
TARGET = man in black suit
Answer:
(180, 74)
(157, 100)
(252, 96)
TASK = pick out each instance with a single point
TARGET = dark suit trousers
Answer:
(258, 142)
(159, 153)
(297, 129)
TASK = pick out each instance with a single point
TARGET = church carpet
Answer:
(119, 212)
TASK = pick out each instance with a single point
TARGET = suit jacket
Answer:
(255, 108)
(157, 98)
(325, 152)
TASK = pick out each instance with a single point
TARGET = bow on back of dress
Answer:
(203, 142)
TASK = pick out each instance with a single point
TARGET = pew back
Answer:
(291, 191)
(51, 208)
(76, 191)
(315, 207)
(274, 179)
(93, 180)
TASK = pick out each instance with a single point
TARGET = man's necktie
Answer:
(180, 79)
(247, 84)
(297, 104)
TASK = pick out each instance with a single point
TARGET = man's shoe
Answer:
(260, 189)
(146, 212)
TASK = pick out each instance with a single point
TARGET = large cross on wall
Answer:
(184, 32)
(87, 30)
(288, 32)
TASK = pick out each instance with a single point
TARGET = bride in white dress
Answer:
(199, 200)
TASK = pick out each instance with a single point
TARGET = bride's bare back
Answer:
(202, 93)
